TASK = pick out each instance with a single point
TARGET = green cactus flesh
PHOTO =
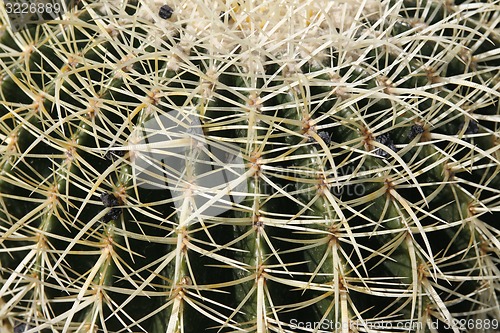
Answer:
(251, 166)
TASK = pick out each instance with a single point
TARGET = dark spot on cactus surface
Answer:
(323, 135)
(165, 12)
(225, 16)
(415, 130)
(384, 139)
(472, 128)
(113, 214)
(113, 155)
(109, 200)
(22, 327)
(258, 224)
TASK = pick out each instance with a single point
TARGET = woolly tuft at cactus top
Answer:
(251, 166)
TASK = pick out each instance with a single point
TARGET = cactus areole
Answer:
(250, 166)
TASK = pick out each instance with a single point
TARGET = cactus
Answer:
(251, 166)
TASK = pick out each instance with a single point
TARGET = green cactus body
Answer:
(251, 166)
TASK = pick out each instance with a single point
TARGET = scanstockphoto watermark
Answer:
(463, 325)
(354, 325)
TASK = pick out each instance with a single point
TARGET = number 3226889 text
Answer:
(32, 8)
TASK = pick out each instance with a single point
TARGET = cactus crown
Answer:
(251, 166)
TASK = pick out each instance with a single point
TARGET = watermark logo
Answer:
(462, 325)
(328, 325)
(172, 153)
